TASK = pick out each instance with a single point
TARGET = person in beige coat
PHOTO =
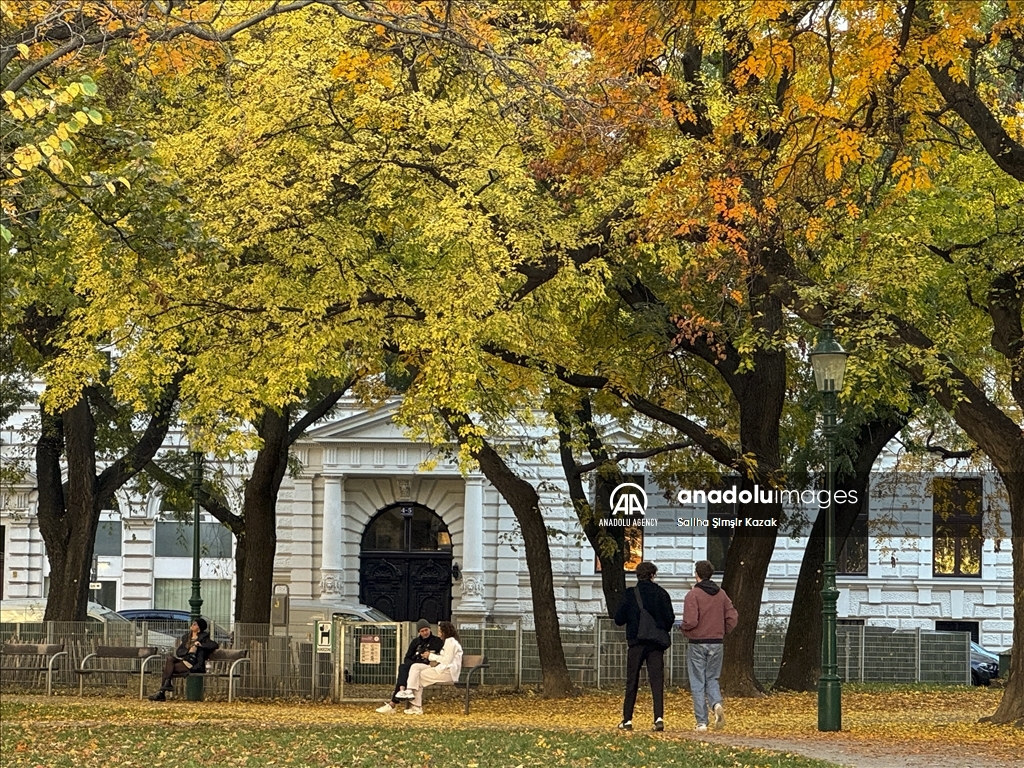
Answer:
(447, 669)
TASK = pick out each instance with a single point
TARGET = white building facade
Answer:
(365, 521)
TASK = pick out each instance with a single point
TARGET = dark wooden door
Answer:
(405, 567)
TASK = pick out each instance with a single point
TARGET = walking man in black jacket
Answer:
(657, 603)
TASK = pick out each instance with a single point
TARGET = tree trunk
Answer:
(525, 503)
(613, 576)
(801, 656)
(1011, 706)
(760, 394)
(745, 570)
(257, 547)
(1002, 440)
(68, 515)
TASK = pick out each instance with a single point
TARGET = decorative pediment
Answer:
(362, 426)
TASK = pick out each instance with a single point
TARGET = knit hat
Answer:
(202, 624)
(422, 624)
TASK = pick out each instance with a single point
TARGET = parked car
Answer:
(172, 622)
(306, 611)
(984, 665)
(116, 629)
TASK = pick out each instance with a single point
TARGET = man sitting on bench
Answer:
(424, 643)
(195, 646)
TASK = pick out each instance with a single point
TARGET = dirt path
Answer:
(858, 754)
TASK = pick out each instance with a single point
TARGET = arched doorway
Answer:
(405, 564)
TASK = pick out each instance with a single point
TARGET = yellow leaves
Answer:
(844, 148)
(38, 114)
(768, 10)
(27, 157)
(813, 229)
(351, 65)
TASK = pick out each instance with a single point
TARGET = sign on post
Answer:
(323, 637)
(95, 585)
(369, 649)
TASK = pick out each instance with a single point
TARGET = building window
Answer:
(853, 557)
(633, 535)
(109, 539)
(956, 527)
(174, 539)
(407, 528)
(971, 627)
(173, 594)
(106, 595)
(719, 538)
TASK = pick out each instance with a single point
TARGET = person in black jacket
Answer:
(657, 603)
(193, 650)
(424, 643)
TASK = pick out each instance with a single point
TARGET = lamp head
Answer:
(828, 359)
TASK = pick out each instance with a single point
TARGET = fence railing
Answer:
(363, 658)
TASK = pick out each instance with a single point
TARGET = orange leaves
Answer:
(624, 35)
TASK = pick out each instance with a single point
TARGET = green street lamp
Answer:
(828, 359)
(194, 683)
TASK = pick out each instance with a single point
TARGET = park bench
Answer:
(470, 664)
(223, 663)
(34, 659)
(111, 653)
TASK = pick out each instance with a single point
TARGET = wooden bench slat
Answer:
(47, 653)
(143, 653)
(470, 664)
(220, 658)
(125, 652)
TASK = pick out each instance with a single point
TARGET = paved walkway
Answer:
(859, 754)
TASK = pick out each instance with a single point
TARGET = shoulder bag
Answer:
(649, 631)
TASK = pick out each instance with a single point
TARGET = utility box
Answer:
(279, 605)
(1004, 665)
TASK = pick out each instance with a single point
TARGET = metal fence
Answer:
(361, 661)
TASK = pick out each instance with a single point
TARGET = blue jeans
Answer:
(704, 663)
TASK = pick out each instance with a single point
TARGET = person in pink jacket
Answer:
(447, 670)
(708, 616)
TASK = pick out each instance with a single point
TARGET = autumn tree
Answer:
(70, 210)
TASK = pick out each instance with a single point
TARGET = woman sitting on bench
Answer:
(190, 657)
(447, 670)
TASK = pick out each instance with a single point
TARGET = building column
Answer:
(473, 548)
(299, 548)
(331, 553)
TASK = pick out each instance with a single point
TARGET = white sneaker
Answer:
(406, 694)
(386, 708)
(701, 728)
(414, 711)
(719, 715)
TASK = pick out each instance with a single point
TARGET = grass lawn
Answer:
(503, 731)
(393, 745)
(104, 732)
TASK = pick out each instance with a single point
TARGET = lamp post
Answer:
(194, 683)
(828, 359)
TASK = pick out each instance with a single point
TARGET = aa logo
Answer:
(629, 500)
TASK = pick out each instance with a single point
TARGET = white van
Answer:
(306, 612)
(29, 610)
(117, 630)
